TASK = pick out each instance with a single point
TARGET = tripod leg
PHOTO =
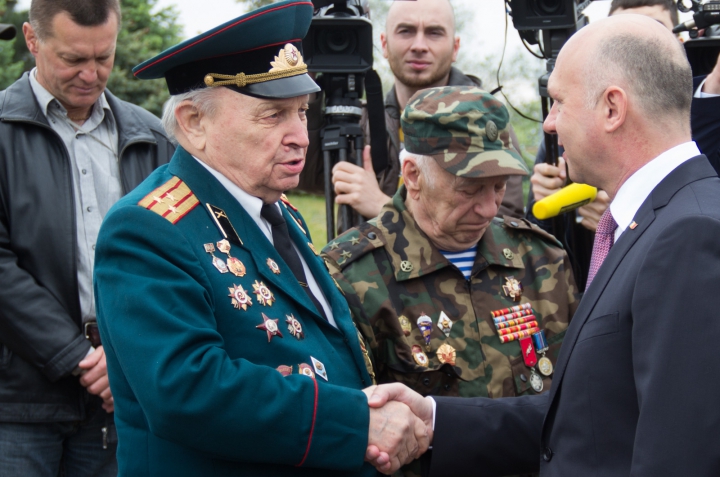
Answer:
(329, 197)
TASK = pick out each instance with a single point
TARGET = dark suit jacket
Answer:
(636, 385)
(705, 119)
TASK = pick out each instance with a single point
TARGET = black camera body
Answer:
(544, 14)
(702, 51)
(7, 32)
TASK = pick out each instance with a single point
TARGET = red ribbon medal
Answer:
(528, 352)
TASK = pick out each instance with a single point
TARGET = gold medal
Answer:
(273, 266)
(294, 327)
(405, 325)
(270, 326)
(264, 295)
(513, 288)
(306, 370)
(446, 354)
(420, 357)
(545, 366)
(217, 262)
(236, 267)
(240, 298)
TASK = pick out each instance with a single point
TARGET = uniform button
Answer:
(84, 171)
(89, 209)
(447, 386)
(346, 340)
(372, 236)
(514, 224)
(93, 247)
(547, 454)
(363, 381)
(426, 381)
(523, 378)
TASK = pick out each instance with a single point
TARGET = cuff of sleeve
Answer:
(700, 94)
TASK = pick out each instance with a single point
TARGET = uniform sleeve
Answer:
(156, 313)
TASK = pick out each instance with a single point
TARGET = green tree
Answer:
(10, 67)
(144, 33)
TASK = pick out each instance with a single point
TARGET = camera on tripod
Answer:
(702, 51)
(339, 49)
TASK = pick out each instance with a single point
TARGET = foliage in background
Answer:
(144, 33)
(11, 67)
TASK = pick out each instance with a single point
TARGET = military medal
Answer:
(528, 352)
(535, 381)
(420, 357)
(273, 266)
(240, 298)
(306, 370)
(264, 295)
(270, 326)
(217, 262)
(405, 325)
(444, 323)
(513, 288)
(319, 368)
(294, 327)
(513, 309)
(545, 366)
(425, 324)
(234, 265)
(446, 354)
(284, 370)
(312, 247)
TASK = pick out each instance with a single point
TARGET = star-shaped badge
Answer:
(270, 326)
(354, 240)
(264, 295)
(334, 246)
(240, 298)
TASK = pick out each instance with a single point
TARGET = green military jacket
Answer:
(392, 275)
(222, 373)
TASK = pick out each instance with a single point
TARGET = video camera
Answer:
(339, 49)
(702, 51)
(7, 32)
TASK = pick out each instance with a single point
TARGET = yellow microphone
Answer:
(566, 199)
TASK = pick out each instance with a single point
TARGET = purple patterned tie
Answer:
(604, 238)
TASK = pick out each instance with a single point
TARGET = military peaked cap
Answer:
(258, 54)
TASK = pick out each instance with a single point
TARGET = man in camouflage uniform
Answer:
(429, 325)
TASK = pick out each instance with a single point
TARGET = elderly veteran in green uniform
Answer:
(453, 301)
(230, 349)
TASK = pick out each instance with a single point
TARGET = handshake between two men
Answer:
(401, 426)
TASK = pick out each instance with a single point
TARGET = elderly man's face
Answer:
(258, 143)
(420, 42)
(74, 62)
(453, 211)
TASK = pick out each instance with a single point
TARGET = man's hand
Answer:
(712, 81)
(592, 212)
(548, 179)
(95, 377)
(358, 187)
(420, 421)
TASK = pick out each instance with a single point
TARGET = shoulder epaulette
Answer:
(172, 200)
(353, 244)
(287, 203)
(526, 226)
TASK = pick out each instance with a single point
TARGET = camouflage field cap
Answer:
(464, 128)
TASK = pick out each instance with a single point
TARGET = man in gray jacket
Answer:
(68, 151)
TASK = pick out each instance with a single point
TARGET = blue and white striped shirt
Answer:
(463, 260)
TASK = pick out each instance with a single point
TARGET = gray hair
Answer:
(659, 78)
(426, 164)
(202, 99)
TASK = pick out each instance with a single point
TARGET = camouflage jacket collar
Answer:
(413, 255)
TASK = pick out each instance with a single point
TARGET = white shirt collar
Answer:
(250, 203)
(638, 187)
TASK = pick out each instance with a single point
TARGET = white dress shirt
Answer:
(639, 186)
(252, 206)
